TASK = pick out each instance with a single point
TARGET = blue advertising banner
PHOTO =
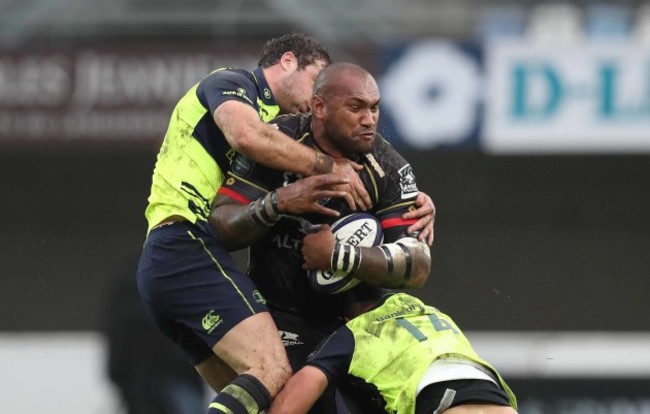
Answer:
(431, 95)
(518, 97)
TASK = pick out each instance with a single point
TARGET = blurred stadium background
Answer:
(528, 122)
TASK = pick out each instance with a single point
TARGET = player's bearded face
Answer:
(296, 88)
(351, 127)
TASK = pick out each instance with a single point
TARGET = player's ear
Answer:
(317, 106)
(288, 61)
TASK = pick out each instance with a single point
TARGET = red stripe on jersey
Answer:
(233, 194)
(394, 222)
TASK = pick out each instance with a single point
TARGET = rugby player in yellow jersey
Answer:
(188, 281)
(408, 356)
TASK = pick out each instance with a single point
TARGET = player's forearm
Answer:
(234, 227)
(270, 147)
(300, 392)
(405, 263)
(291, 400)
(265, 144)
(240, 225)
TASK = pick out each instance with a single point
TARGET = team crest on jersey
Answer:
(241, 165)
(267, 93)
(407, 182)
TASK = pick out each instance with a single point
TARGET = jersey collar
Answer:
(265, 91)
(358, 158)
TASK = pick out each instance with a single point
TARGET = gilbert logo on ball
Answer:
(357, 229)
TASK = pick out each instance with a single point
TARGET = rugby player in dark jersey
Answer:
(257, 206)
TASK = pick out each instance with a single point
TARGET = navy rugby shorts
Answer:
(301, 335)
(192, 289)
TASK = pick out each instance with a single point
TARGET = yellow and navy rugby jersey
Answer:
(275, 262)
(195, 154)
(387, 350)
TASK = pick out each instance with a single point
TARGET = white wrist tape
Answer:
(345, 258)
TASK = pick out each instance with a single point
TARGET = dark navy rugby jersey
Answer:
(276, 261)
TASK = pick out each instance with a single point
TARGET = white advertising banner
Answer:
(586, 98)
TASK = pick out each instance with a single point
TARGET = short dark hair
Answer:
(307, 50)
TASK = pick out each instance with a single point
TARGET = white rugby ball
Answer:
(357, 229)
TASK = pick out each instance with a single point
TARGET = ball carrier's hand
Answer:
(317, 249)
(303, 195)
(360, 197)
(425, 213)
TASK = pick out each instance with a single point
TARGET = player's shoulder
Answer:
(231, 74)
(384, 158)
(228, 83)
(383, 149)
(294, 125)
(229, 79)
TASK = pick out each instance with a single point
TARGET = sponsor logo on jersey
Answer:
(407, 182)
(409, 309)
(285, 241)
(240, 92)
(241, 165)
